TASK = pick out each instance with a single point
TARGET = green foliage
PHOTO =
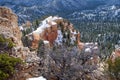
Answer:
(68, 38)
(9, 41)
(68, 35)
(1, 39)
(37, 22)
(41, 43)
(7, 66)
(114, 67)
(41, 48)
(64, 35)
(25, 41)
(105, 33)
(27, 31)
(62, 27)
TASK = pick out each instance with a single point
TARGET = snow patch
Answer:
(46, 42)
(88, 50)
(73, 39)
(59, 39)
(95, 47)
(48, 22)
(21, 28)
(53, 23)
(113, 7)
(37, 78)
(117, 12)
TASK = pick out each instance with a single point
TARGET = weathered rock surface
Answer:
(9, 30)
(25, 54)
(9, 25)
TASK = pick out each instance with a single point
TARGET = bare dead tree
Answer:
(67, 64)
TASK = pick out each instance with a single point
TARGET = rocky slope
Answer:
(10, 41)
(86, 9)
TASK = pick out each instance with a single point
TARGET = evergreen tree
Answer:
(41, 48)
(114, 68)
(7, 66)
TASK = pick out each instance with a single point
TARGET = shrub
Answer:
(7, 66)
(114, 68)
(66, 63)
(4, 41)
(10, 43)
(1, 39)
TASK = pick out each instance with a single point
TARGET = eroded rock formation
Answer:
(57, 31)
(9, 25)
(9, 30)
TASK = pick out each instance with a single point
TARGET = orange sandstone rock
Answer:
(49, 31)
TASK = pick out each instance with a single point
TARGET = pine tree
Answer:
(8, 65)
(41, 48)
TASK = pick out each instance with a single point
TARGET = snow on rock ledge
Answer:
(47, 31)
(48, 22)
(55, 30)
